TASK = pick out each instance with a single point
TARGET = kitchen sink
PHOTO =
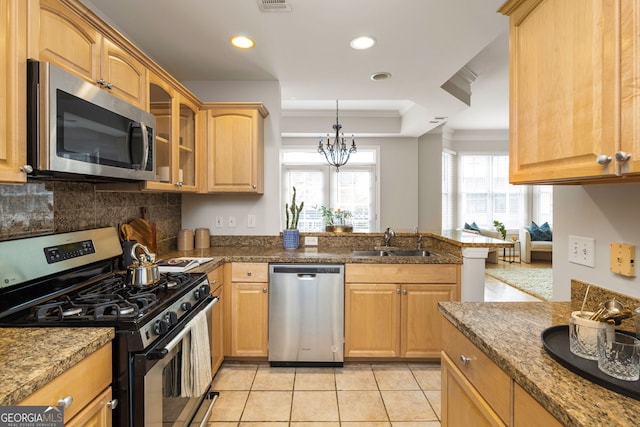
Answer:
(411, 253)
(376, 253)
(370, 253)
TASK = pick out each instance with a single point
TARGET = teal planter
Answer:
(291, 239)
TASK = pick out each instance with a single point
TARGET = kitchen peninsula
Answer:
(508, 334)
(449, 247)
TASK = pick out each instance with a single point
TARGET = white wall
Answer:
(200, 210)
(606, 213)
(430, 182)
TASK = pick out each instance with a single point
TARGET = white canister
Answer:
(202, 238)
(185, 240)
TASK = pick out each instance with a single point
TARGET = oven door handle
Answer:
(162, 352)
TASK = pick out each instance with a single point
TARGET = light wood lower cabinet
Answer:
(476, 392)
(462, 405)
(88, 383)
(248, 310)
(217, 319)
(391, 310)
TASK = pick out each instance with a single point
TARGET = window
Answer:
(318, 184)
(480, 192)
(486, 194)
(449, 181)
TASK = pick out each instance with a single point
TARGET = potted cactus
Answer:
(291, 234)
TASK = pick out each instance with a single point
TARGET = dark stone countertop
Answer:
(32, 357)
(510, 335)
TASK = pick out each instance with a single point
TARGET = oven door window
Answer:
(163, 384)
(92, 134)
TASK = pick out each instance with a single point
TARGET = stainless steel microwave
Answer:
(76, 130)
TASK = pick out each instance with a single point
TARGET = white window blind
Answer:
(317, 184)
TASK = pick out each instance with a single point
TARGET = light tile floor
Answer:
(372, 395)
(394, 394)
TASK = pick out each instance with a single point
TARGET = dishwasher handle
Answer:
(306, 276)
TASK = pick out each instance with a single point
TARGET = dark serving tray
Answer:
(556, 341)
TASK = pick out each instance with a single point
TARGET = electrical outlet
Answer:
(219, 222)
(251, 221)
(232, 221)
(311, 240)
(582, 251)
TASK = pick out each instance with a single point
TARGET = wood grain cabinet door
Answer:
(421, 331)
(564, 103)
(372, 320)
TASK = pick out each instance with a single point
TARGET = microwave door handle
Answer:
(145, 145)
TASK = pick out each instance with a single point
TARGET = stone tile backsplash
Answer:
(45, 207)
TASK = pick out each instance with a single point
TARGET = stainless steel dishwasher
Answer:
(306, 314)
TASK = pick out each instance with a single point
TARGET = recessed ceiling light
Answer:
(242, 42)
(380, 76)
(361, 43)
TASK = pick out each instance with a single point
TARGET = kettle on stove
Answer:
(143, 270)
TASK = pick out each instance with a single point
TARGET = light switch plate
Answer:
(623, 259)
(582, 251)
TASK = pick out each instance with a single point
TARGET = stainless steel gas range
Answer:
(72, 280)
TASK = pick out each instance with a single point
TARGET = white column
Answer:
(472, 281)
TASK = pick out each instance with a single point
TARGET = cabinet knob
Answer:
(109, 85)
(112, 403)
(464, 359)
(65, 402)
(254, 186)
(603, 159)
(264, 290)
(622, 156)
(26, 169)
(249, 273)
(398, 291)
(101, 82)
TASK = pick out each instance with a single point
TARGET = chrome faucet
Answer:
(419, 242)
(388, 234)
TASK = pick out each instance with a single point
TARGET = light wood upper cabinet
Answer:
(177, 148)
(563, 111)
(235, 148)
(13, 90)
(391, 310)
(65, 38)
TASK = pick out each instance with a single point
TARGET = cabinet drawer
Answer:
(492, 383)
(401, 273)
(83, 381)
(216, 278)
(249, 272)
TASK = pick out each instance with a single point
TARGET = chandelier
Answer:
(338, 153)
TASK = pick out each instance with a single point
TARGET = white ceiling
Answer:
(422, 43)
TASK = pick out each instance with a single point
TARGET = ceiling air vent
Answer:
(274, 5)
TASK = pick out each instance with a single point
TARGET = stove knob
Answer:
(185, 306)
(171, 317)
(197, 294)
(206, 290)
(161, 327)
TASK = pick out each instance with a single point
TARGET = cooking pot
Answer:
(143, 270)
